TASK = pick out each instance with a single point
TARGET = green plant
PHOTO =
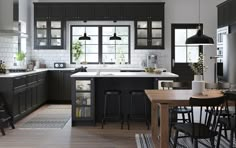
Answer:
(198, 67)
(77, 50)
(20, 56)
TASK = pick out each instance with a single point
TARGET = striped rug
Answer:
(145, 141)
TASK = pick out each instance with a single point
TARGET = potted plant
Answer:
(20, 58)
(198, 68)
(77, 50)
(198, 85)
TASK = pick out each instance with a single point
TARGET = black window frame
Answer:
(100, 43)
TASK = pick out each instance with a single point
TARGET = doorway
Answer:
(181, 54)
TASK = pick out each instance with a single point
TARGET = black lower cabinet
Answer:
(59, 86)
(24, 94)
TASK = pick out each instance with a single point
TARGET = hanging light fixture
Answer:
(199, 38)
(115, 37)
(85, 37)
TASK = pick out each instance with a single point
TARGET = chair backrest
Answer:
(213, 107)
(219, 85)
(176, 85)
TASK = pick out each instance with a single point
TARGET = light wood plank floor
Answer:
(72, 137)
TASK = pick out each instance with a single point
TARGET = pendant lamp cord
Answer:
(199, 13)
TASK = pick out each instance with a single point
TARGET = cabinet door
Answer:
(100, 12)
(57, 12)
(71, 12)
(135, 12)
(56, 35)
(28, 98)
(67, 85)
(115, 12)
(156, 34)
(220, 17)
(85, 12)
(22, 101)
(141, 34)
(41, 34)
(232, 12)
(34, 96)
(54, 91)
(156, 11)
(16, 106)
(41, 11)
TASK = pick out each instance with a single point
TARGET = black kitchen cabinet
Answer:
(24, 94)
(49, 34)
(48, 11)
(60, 86)
(149, 34)
(226, 13)
(83, 101)
(71, 12)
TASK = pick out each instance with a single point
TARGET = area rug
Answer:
(52, 117)
(145, 141)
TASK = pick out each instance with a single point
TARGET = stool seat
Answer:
(108, 95)
(112, 92)
(136, 92)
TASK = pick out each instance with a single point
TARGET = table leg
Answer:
(154, 124)
(164, 125)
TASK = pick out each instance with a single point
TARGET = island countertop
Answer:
(124, 74)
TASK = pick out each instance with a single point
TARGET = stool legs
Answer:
(129, 116)
(119, 111)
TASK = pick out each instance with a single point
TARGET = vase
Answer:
(198, 85)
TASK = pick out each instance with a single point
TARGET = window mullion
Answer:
(100, 35)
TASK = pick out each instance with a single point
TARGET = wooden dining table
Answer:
(161, 100)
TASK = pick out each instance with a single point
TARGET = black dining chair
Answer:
(229, 121)
(180, 110)
(5, 115)
(222, 86)
(200, 128)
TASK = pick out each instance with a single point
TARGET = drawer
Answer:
(19, 82)
(31, 78)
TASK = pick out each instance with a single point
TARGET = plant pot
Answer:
(198, 78)
(198, 85)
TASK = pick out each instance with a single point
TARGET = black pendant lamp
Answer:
(115, 37)
(199, 38)
(85, 37)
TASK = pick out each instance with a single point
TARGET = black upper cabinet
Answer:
(57, 12)
(71, 12)
(115, 12)
(226, 13)
(100, 12)
(85, 12)
(41, 11)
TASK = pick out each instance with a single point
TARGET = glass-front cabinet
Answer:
(49, 34)
(83, 102)
(149, 34)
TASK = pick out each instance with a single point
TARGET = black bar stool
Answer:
(131, 115)
(109, 94)
(5, 115)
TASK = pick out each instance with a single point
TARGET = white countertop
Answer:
(124, 74)
(18, 74)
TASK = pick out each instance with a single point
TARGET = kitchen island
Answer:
(88, 92)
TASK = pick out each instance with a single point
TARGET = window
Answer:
(100, 49)
(185, 53)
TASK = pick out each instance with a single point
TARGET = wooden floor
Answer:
(72, 137)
